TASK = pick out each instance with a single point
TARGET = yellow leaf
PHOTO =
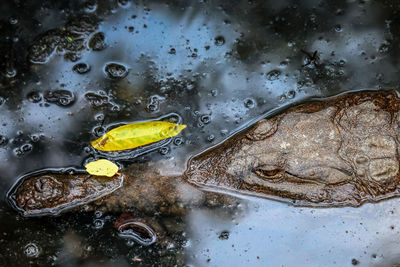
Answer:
(137, 134)
(102, 167)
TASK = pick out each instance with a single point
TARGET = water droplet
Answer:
(116, 71)
(249, 103)
(98, 223)
(172, 51)
(31, 250)
(11, 72)
(3, 140)
(26, 148)
(97, 100)
(164, 150)
(206, 119)
(60, 97)
(291, 94)
(34, 96)
(273, 75)
(90, 6)
(210, 138)
(13, 21)
(219, 40)
(98, 131)
(224, 235)
(81, 68)
(97, 42)
(178, 141)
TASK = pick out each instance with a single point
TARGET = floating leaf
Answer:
(102, 167)
(137, 134)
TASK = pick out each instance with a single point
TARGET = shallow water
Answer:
(220, 66)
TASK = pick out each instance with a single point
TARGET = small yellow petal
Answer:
(102, 167)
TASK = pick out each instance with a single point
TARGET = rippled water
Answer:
(71, 69)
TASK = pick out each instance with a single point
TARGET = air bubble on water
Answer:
(219, 40)
(115, 71)
(81, 68)
(273, 75)
(3, 140)
(99, 117)
(11, 72)
(249, 103)
(178, 141)
(98, 214)
(338, 28)
(34, 97)
(206, 119)
(214, 92)
(26, 148)
(98, 223)
(97, 41)
(13, 21)
(164, 150)
(291, 94)
(210, 138)
(35, 138)
(31, 250)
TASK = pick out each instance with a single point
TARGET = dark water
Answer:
(71, 68)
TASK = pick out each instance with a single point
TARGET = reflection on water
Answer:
(220, 66)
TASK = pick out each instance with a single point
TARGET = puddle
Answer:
(70, 71)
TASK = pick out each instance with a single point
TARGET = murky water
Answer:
(71, 69)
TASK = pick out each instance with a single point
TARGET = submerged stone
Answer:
(337, 152)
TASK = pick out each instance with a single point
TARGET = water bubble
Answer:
(164, 150)
(153, 104)
(97, 42)
(206, 119)
(224, 235)
(98, 223)
(81, 68)
(34, 97)
(13, 21)
(11, 72)
(219, 40)
(98, 131)
(97, 100)
(291, 94)
(116, 71)
(60, 97)
(3, 140)
(31, 250)
(214, 92)
(338, 28)
(172, 51)
(17, 152)
(273, 75)
(90, 6)
(35, 138)
(178, 141)
(123, 3)
(249, 103)
(98, 214)
(26, 148)
(210, 138)
(99, 117)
